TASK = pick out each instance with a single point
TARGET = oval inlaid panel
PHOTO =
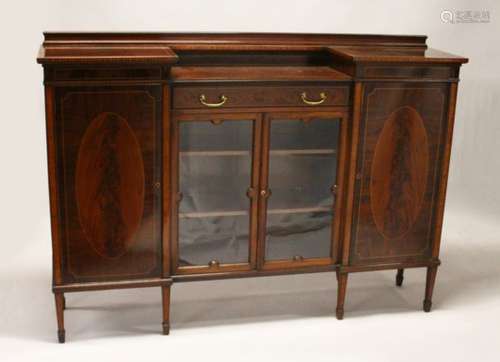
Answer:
(110, 184)
(399, 172)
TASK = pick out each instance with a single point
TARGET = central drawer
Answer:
(227, 96)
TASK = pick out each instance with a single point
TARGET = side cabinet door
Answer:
(401, 143)
(109, 157)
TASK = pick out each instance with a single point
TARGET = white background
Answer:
(281, 318)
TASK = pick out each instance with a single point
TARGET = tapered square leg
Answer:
(64, 302)
(165, 294)
(429, 287)
(399, 277)
(61, 333)
(342, 286)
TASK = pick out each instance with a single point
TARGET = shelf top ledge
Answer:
(394, 55)
(180, 74)
(110, 53)
(166, 48)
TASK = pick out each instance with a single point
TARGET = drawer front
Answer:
(259, 96)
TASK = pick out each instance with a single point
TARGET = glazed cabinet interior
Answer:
(183, 157)
(255, 191)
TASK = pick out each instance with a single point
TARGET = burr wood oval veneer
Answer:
(181, 157)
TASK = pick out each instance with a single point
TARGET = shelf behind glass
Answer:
(193, 215)
(214, 183)
(283, 152)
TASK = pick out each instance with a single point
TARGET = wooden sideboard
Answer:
(180, 157)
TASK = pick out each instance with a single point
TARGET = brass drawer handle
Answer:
(203, 100)
(322, 95)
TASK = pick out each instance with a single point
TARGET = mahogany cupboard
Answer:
(180, 157)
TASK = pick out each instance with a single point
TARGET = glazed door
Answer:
(214, 191)
(301, 183)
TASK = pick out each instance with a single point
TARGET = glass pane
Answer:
(211, 183)
(302, 170)
(301, 180)
(215, 163)
(206, 136)
(297, 135)
(221, 238)
(305, 234)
